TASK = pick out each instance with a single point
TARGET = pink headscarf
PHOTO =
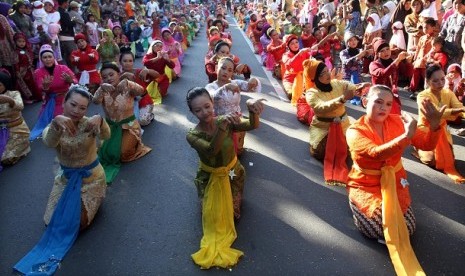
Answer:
(46, 48)
(169, 42)
(53, 31)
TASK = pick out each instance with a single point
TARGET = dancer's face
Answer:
(75, 107)
(110, 76)
(225, 70)
(202, 108)
(379, 106)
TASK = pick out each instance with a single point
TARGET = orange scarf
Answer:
(445, 157)
(335, 167)
(297, 88)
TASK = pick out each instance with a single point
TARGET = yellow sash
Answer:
(217, 221)
(394, 227)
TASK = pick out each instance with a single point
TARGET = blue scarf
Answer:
(63, 229)
(45, 118)
(4, 135)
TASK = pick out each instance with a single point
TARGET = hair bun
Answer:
(125, 49)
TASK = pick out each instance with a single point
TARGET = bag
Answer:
(304, 111)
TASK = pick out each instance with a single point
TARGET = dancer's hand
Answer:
(229, 119)
(252, 84)
(6, 99)
(67, 77)
(47, 81)
(233, 87)
(255, 105)
(336, 74)
(94, 123)
(122, 85)
(107, 88)
(127, 75)
(431, 113)
(65, 124)
(410, 124)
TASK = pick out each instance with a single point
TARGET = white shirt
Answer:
(152, 7)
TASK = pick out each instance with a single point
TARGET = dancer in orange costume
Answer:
(378, 188)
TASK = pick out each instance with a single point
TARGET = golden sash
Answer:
(218, 221)
(394, 227)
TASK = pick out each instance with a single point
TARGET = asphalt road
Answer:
(292, 224)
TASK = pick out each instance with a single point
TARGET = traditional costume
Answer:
(54, 95)
(329, 124)
(443, 152)
(174, 51)
(160, 65)
(125, 143)
(86, 61)
(292, 77)
(220, 184)
(77, 193)
(378, 188)
(14, 132)
(24, 69)
(226, 102)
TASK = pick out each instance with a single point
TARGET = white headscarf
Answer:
(430, 12)
(398, 35)
(387, 17)
(375, 27)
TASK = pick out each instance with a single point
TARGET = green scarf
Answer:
(110, 152)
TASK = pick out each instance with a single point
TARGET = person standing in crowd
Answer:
(67, 32)
(79, 186)
(92, 30)
(76, 17)
(24, 69)
(14, 132)
(53, 16)
(117, 98)
(378, 189)
(403, 8)
(94, 9)
(7, 55)
(452, 31)
(152, 7)
(129, 8)
(413, 26)
(22, 21)
(54, 80)
(419, 59)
